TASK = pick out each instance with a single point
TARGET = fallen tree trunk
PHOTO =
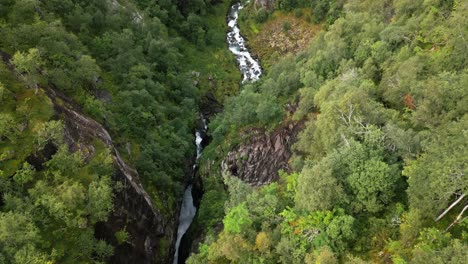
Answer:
(450, 207)
(458, 218)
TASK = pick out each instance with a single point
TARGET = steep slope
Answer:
(259, 158)
(73, 74)
(133, 210)
(377, 174)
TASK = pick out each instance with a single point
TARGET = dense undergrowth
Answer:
(383, 88)
(137, 67)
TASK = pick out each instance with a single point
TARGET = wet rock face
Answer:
(257, 160)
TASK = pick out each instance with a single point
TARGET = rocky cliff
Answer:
(149, 231)
(258, 159)
(150, 234)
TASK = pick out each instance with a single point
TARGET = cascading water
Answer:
(251, 71)
(249, 67)
(187, 213)
(188, 209)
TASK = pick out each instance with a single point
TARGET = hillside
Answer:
(119, 119)
(99, 100)
(378, 172)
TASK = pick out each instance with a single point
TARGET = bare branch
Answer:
(346, 117)
(344, 139)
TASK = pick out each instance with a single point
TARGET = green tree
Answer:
(28, 67)
(86, 71)
(231, 247)
(436, 178)
(371, 179)
(317, 186)
(268, 111)
(25, 174)
(454, 253)
(324, 256)
(100, 199)
(49, 132)
(341, 232)
(16, 232)
(237, 219)
(238, 191)
(8, 127)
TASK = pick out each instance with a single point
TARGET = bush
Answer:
(262, 16)
(286, 26)
(298, 12)
(122, 236)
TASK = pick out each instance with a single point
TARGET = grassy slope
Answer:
(271, 40)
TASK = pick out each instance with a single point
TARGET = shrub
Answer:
(286, 26)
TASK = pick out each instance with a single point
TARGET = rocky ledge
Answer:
(259, 158)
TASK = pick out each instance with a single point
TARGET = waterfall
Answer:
(249, 67)
(188, 209)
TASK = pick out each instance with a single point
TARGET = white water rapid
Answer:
(188, 209)
(249, 67)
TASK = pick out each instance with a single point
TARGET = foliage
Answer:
(130, 65)
(49, 211)
(382, 92)
(122, 236)
(237, 219)
(381, 89)
(27, 65)
(437, 175)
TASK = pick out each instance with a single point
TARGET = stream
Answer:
(251, 71)
(249, 67)
(188, 209)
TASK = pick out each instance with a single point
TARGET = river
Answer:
(251, 71)
(188, 209)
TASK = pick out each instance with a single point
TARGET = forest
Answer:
(123, 63)
(377, 173)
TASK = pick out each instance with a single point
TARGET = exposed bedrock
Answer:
(261, 155)
(133, 210)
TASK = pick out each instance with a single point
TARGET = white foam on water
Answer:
(188, 209)
(249, 67)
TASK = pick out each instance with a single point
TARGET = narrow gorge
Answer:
(250, 70)
(188, 208)
(233, 131)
